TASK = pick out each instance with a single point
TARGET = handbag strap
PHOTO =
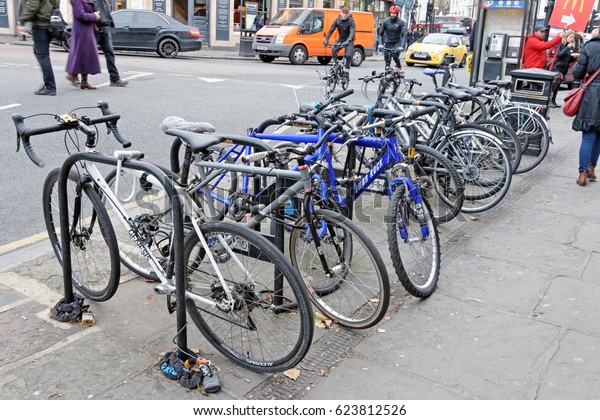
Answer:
(555, 54)
(588, 81)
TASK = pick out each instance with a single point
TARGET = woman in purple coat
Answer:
(83, 54)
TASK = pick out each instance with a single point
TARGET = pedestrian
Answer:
(587, 119)
(409, 39)
(259, 21)
(534, 53)
(38, 13)
(346, 28)
(566, 54)
(392, 34)
(104, 40)
(83, 53)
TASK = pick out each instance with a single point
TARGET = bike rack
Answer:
(177, 233)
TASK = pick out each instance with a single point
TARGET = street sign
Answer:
(571, 14)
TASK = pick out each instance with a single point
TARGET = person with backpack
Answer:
(346, 28)
(38, 13)
(392, 34)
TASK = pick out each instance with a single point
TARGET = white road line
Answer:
(9, 106)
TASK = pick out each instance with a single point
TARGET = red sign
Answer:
(571, 14)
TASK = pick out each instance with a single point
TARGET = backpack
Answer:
(58, 26)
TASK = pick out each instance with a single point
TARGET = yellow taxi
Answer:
(432, 49)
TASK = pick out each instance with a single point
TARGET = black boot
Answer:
(553, 103)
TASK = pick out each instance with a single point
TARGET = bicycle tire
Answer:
(440, 182)
(416, 261)
(483, 164)
(94, 255)
(358, 295)
(256, 332)
(533, 131)
(505, 134)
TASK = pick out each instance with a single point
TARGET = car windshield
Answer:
(434, 39)
(290, 17)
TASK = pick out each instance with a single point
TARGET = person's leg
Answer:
(396, 56)
(105, 42)
(41, 48)
(588, 138)
(555, 89)
(594, 158)
(348, 55)
(387, 56)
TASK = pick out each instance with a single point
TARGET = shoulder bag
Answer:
(58, 26)
(573, 99)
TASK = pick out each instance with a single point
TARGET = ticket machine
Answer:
(500, 29)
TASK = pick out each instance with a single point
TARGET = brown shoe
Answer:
(85, 84)
(582, 180)
(73, 79)
(591, 173)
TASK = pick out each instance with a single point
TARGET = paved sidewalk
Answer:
(514, 316)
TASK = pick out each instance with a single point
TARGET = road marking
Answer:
(211, 80)
(23, 242)
(9, 106)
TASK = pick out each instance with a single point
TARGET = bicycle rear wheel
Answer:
(416, 257)
(533, 132)
(94, 250)
(483, 164)
(266, 325)
(356, 291)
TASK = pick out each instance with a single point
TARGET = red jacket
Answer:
(534, 55)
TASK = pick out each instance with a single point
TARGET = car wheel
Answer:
(266, 58)
(66, 44)
(298, 55)
(168, 48)
(357, 57)
(463, 62)
(324, 60)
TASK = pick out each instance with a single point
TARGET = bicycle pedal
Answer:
(88, 319)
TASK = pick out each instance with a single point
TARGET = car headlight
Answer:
(279, 39)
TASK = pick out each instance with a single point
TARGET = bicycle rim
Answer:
(484, 166)
(94, 257)
(268, 326)
(356, 293)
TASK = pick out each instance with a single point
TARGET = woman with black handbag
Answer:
(587, 119)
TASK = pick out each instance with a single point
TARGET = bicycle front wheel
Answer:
(94, 250)
(415, 249)
(355, 289)
(253, 306)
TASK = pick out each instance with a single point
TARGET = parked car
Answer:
(432, 49)
(145, 30)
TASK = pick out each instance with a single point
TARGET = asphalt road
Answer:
(233, 95)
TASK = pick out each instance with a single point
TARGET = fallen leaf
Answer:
(293, 373)
(475, 218)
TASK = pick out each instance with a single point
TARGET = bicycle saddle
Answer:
(197, 142)
(433, 72)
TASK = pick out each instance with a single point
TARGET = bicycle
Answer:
(242, 294)
(336, 73)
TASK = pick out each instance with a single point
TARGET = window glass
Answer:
(122, 19)
(148, 20)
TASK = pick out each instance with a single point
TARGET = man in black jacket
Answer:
(104, 39)
(392, 34)
(346, 28)
(38, 12)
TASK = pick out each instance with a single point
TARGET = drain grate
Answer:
(325, 353)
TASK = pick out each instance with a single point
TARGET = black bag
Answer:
(58, 26)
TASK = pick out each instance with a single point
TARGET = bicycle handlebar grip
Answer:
(416, 113)
(380, 113)
(118, 135)
(112, 123)
(254, 157)
(29, 150)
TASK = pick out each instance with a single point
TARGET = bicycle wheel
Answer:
(416, 257)
(505, 134)
(94, 250)
(149, 209)
(356, 292)
(533, 132)
(266, 324)
(483, 164)
(440, 182)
